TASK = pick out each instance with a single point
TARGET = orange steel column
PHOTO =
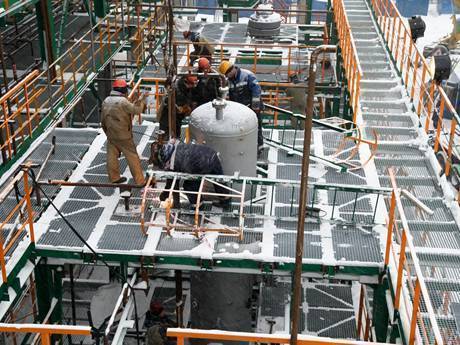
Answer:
(438, 129)
(402, 257)
(453, 126)
(30, 216)
(391, 220)
(415, 306)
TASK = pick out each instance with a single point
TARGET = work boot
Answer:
(121, 180)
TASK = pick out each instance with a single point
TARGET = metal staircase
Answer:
(385, 107)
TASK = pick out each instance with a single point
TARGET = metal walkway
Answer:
(402, 145)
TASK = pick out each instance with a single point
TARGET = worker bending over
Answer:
(245, 89)
(190, 159)
(201, 46)
(185, 103)
(208, 86)
(117, 113)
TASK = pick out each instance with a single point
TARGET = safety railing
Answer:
(266, 205)
(152, 88)
(430, 101)
(259, 57)
(364, 327)
(411, 297)
(45, 331)
(147, 37)
(183, 334)
(40, 98)
(351, 64)
(18, 221)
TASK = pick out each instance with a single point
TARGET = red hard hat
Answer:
(203, 63)
(120, 83)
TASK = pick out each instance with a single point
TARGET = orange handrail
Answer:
(408, 297)
(352, 66)
(428, 97)
(16, 216)
(43, 95)
(45, 331)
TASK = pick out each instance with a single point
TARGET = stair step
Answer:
(391, 107)
(375, 66)
(378, 74)
(380, 95)
(367, 43)
(378, 85)
(359, 17)
(362, 24)
(369, 50)
(373, 57)
(365, 35)
(383, 120)
(390, 133)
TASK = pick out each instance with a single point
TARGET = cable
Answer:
(72, 228)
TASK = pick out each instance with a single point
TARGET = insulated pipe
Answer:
(303, 190)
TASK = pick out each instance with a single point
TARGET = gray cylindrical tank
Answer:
(233, 135)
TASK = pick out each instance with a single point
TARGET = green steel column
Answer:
(56, 316)
(329, 17)
(308, 14)
(101, 8)
(43, 282)
(48, 281)
(380, 315)
(60, 43)
(47, 34)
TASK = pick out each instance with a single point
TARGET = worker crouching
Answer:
(190, 159)
(117, 112)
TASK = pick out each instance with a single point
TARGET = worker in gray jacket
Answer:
(117, 113)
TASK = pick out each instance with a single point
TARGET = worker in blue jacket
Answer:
(245, 89)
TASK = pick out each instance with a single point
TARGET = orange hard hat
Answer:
(119, 83)
(203, 63)
(191, 79)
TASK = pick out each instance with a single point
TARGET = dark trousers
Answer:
(260, 136)
(164, 125)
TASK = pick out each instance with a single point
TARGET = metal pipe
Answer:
(303, 190)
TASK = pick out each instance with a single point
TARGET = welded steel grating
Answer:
(122, 237)
(353, 243)
(285, 245)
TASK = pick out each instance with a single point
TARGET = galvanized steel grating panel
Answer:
(316, 298)
(342, 292)
(122, 237)
(422, 187)
(437, 239)
(177, 244)
(59, 234)
(252, 243)
(292, 225)
(106, 191)
(290, 195)
(84, 193)
(333, 176)
(330, 323)
(285, 245)
(356, 244)
(273, 301)
(71, 206)
(288, 172)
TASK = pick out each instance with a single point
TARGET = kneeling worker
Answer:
(117, 112)
(190, 159)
